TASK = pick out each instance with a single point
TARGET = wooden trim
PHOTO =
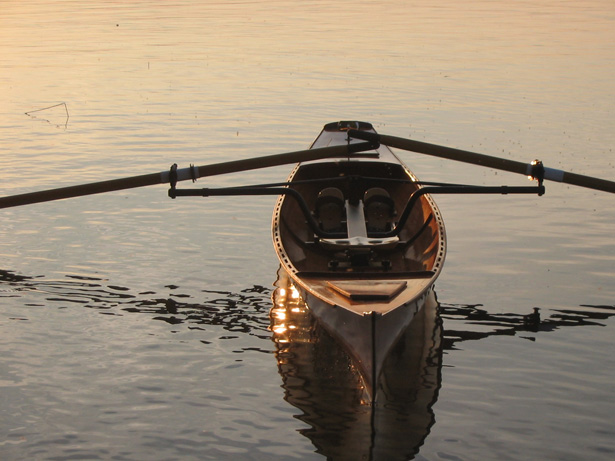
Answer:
(333, 275)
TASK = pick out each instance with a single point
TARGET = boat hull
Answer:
(318, 378)
(369, 337)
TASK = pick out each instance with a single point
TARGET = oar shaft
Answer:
(455, 154)
(80, 190)
(496, 163)
(586, 181)
(255, 163)
(184, 174)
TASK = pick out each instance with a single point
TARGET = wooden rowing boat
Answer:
(358, 235)
(369, 267)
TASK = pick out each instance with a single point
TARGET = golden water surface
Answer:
(94, 90)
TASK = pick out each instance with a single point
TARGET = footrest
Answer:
(373, 291)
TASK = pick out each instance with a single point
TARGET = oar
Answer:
(194, 172)
(488, 161)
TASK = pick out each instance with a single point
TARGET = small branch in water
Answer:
(29, 113)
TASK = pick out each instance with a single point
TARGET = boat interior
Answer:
(366, 221)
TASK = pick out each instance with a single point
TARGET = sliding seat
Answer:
(330, 210)
(379, 210)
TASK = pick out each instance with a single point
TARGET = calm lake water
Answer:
(136, 327)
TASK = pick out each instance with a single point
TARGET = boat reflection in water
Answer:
(319, 379)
